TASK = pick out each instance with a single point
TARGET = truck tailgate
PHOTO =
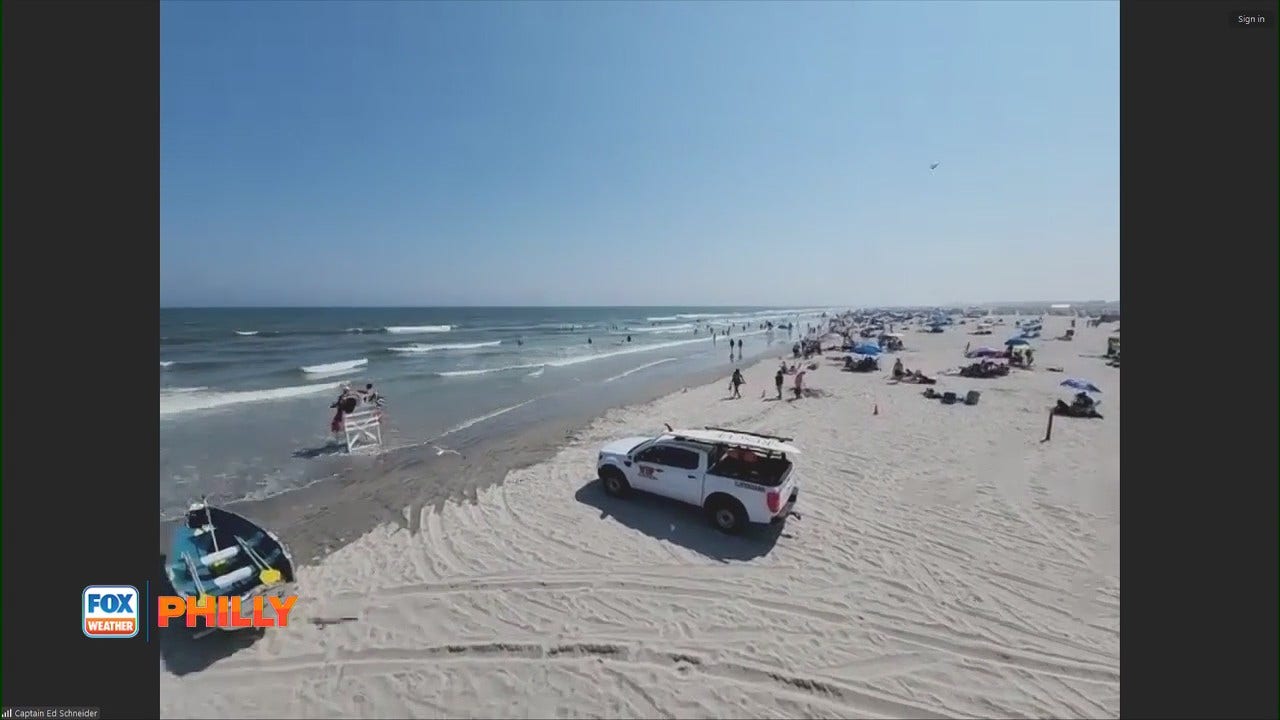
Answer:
(787, 493)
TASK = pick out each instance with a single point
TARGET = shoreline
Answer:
(319, 518)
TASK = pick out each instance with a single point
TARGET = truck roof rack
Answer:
(720, 436)
(779, 438)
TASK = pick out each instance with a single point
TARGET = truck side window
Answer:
(653, 454)
(681, 458)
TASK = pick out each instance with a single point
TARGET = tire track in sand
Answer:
(381, 661)
(438, 543)
(639, 583)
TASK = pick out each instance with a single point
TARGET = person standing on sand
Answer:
(736, 383)
(777, 380)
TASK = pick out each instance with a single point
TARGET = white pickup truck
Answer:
(736, 477)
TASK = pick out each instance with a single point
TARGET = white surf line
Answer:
(474, 421)
(459, 428)
(335, 367)
(634, 370)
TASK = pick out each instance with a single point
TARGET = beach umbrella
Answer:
(866, 348)
(984, 352)
(1081, 385)
(1017, 341)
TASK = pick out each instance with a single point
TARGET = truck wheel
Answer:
(614, 482)
(727, 515)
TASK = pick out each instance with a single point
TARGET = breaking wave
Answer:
(335, 367)
(657, 329)
(579, 359)
(415, 329)
(419, 348)
(181, 400)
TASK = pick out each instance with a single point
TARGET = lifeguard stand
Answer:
(363, 429)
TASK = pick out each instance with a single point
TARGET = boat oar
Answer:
(268, 575)
(209, 516)
(195, 575)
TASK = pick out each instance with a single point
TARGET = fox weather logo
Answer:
(110, 611)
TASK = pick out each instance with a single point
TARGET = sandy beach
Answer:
(945, 563)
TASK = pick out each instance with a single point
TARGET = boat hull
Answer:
(219, 553)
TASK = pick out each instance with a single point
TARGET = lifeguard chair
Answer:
(363, 429)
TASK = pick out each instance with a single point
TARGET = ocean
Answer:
(245, 393)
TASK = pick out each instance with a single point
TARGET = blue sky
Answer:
(663, 153)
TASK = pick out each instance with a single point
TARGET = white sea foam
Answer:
(180, 400)
(166, 363)
(487, 371)
(576, 360)
(335, 367)
(658, 329)
(476, 420)
(420, 348)
(246, 332)
(585, 358)
(634, 370)
(741, 317)
(542, 326)
(414, 329)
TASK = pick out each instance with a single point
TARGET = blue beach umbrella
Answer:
(1081, 385)
(866, 349)
(1016, 341)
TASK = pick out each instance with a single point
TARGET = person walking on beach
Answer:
(777, 380)
(736, 383)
